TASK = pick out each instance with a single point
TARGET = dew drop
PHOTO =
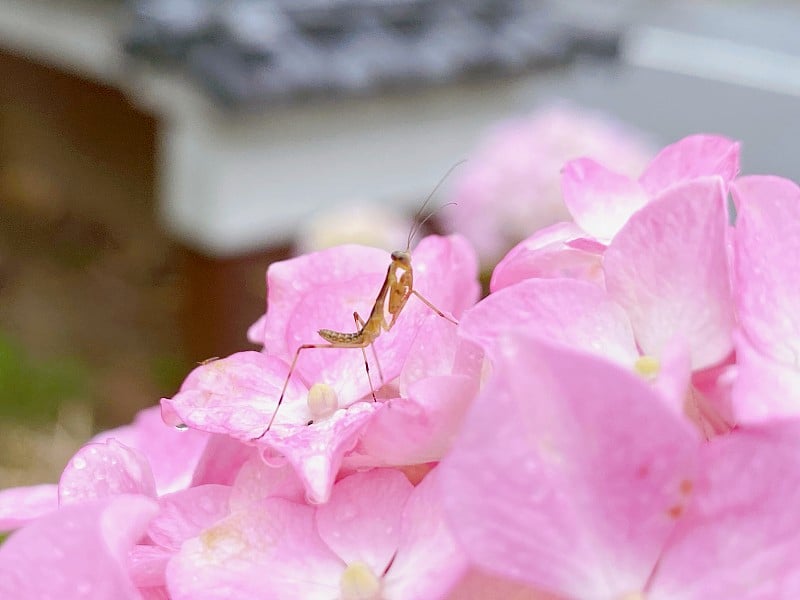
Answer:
(181, 427)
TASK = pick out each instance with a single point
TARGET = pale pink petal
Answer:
(147, 566)
(78, 551)
(600, 200)
(255, 333)
(184, 514)
(691, 157)
(331, 307)
(290, 281)
(767, 249)
(221, 460)
(510, 187)
(764, 389)
(99, 470)
(316, 451)
(547, 254)
(429, 562)
(565, 311)
(420, 428)
(173, 454)
(157, 593)
(674, 375)
(269, 552)
(740, 537)
(322, 290)
(715, 386)
(237, 396)
(439, 350)
(668, 269)
(21, 505)
(587, 470)
(445, 272)
(257, 480)
(361, 521)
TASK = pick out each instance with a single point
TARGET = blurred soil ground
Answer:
(90, 288)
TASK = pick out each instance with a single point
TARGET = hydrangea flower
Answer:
(237, 395)
(601, 490)
(601, 201)
(547, 446)
(510, 186)
(663, 299)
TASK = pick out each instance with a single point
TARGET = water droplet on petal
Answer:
(181, 427)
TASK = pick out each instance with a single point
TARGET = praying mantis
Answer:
(396, 290)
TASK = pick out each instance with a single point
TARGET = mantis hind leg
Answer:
(360, 323)
(286, 384)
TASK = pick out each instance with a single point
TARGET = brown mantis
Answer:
(397, 288)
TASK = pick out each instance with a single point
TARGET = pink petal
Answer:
(420, 428)
(574, 450)
(715, 386)
(740, 537)
(184, 514)
(361, 521)
(271, 552)
(147, 566)
(445, 272)
(438, 349)
(154, 593)
(343, 369)
(674, 375)
(429, 562)
(290, 281)
(21, 505)
(767, 247)
(509, 188)
(256, 331)
(103, 470)
(257, 480)
(79, 551)
(764, 390)
(237, 396)
(316, 451)
(547, 254)
(172, 454)
(691, 157)
(565, 311)
(221, 460)
(600, 200)
(668, 268)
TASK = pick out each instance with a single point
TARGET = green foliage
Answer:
(32, 391)
(168, 372)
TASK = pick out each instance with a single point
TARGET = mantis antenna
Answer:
(417, 226)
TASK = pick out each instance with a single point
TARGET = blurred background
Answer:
(157, 155)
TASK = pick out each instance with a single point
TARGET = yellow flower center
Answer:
(358, 582)
(322, 401)
(647, 366)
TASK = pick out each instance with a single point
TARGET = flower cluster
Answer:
(510, 186)
(619, 418)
